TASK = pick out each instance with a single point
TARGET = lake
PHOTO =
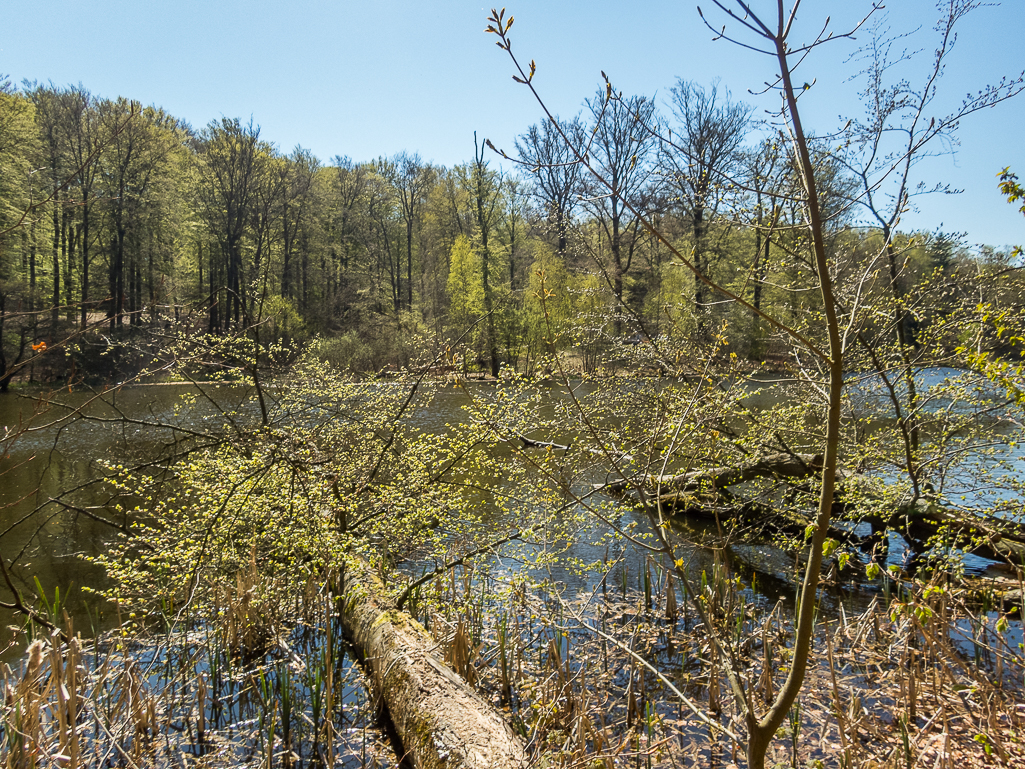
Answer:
(52, 500)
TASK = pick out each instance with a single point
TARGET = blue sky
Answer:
(376, 77)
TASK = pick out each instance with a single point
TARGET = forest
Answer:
(118, 218)
(652, 439)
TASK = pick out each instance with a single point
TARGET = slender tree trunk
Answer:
(512, 253)
(305, 263)
(215, 312)
(761, 731)
(134, 270)
(5, 379)
(286, 257)
(763, 242)
(32, 267)
(900, 322)
(131, 266)
(151, 260)
(119, 278)
(71, 231)
(85, 260)
(409, 263)
(56, 277)
(701, 263)
(489, 302)
(617, 270)
(117, 275)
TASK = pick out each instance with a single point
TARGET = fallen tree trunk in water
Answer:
(772, 466)
(988, 537)
(705, 493)
(530, 443)
(441, 722)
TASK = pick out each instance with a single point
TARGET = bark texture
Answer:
(988, 537)
(441, 722)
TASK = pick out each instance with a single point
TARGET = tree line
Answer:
(116, 216)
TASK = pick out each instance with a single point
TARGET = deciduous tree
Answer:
(700, 162)
(555, 174)
(621, 145)
(233, 163)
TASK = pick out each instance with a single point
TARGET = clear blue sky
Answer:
(376, 77)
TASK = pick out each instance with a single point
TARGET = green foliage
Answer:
(1010, 187)
(346, 352)
(465, 286)
(341, 470)
(18, 144)
(283, 319)
(549, 306)
(1014, 192)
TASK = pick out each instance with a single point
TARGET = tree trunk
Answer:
(56, 285)
(774, 465)
(987, 537)
(85, 261)
(32, 267)
(440, 720)
(116, 281)
(700, 298)
(695, 494)
(409, 264)
(5, 379)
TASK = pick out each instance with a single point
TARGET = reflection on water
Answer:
(54, 509)
(52, 505)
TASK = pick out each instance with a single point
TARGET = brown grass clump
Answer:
(219, 695)
(610, 678)
(923, 680)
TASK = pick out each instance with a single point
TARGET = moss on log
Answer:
(441, 722)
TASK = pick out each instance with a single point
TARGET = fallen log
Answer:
(772, 466)
(441, 722)
(706, 493)
(530, 443)
(1004, 594)
(996, 540)
(756, 521)
(986, 537)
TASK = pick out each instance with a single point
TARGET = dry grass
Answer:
(921, 681)
(191, 699)
(924, 681)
